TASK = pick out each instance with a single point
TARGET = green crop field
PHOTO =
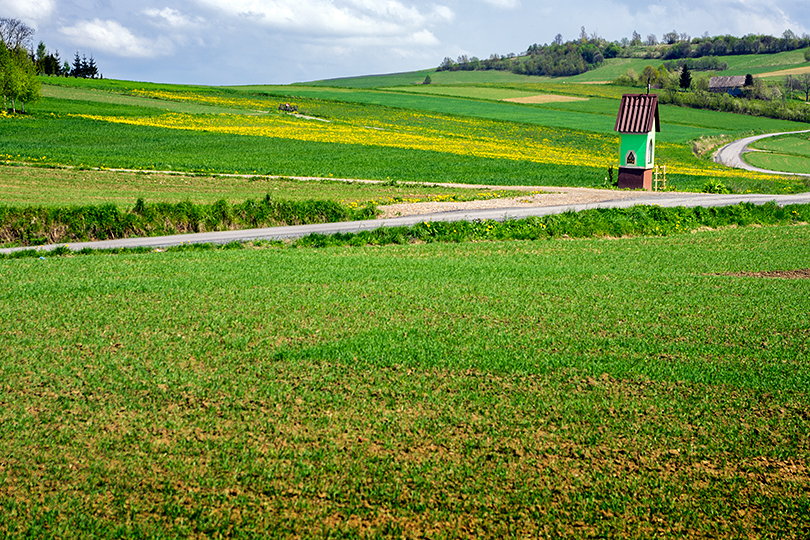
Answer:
(57, 187)
(789, 153)
(469, 383)
(437, 77)
(364, 134)
(628, 387)
(611, 69)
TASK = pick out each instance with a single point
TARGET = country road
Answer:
(731, 154)
(497, 214)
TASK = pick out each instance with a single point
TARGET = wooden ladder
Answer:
(660, 178)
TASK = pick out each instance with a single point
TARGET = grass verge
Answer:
(36, 225)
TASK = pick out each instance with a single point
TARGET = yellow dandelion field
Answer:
(461, 136)
(380, 134)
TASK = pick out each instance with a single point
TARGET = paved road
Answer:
(498, 214)
(731, 154)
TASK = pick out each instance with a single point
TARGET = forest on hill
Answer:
(560, 59)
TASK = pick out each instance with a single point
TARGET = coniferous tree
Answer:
(686, 78)
(92, 68)
(76, 70)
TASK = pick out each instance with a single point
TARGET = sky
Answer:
(225, 42)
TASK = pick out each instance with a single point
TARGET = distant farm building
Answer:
(728, 85)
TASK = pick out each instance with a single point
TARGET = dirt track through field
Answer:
(544, 98)
(535, 197)
(786, 72)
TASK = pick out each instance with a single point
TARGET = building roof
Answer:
(735, 81)
(638, 113)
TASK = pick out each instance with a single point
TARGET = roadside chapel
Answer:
(637, 123)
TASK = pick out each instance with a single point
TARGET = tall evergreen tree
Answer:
(686, 78)
(76, 70)
(92, 68)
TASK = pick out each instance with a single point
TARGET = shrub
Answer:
(715, 186)
(30, 226)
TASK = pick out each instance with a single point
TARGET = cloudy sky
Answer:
(283, 41)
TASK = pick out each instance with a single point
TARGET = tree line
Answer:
(589, 51)
(50, 63)
(757, 97)
(19, 66)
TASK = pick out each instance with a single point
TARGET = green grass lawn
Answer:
(790, 153)
(633, 387)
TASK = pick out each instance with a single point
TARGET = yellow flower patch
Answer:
(461, 142)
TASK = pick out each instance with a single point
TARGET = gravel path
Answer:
(550, 196)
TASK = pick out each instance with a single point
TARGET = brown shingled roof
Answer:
(734, 81)
(638, 113)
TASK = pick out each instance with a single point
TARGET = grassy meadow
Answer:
(459, 132)
(46, 186)
(633, 387)
(473, 380)
(789, 153)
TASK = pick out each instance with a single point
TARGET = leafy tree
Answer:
(671, 38)
(612, 50)
(636, 39)
(18, 82)
(803, 81)
(448, 64)
(807, 55)
(648, 76)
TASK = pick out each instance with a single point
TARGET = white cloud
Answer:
(737, 17)
(346, 18)
(30, 11)
(113, 38)
(172, 18)
(506, 4)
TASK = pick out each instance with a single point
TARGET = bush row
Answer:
(31, 226)
(607, 222)
(783, 110)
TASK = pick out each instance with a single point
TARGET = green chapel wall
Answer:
(639, 144)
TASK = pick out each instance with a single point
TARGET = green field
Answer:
(411, 134)
(790, 153)
(418, 77)
(611, 69)
(633, 387)
(58, 187)
(474, 380)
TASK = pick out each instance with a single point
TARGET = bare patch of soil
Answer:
(802, 273)
(785, 72)
(545, 98)
(548, 196)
